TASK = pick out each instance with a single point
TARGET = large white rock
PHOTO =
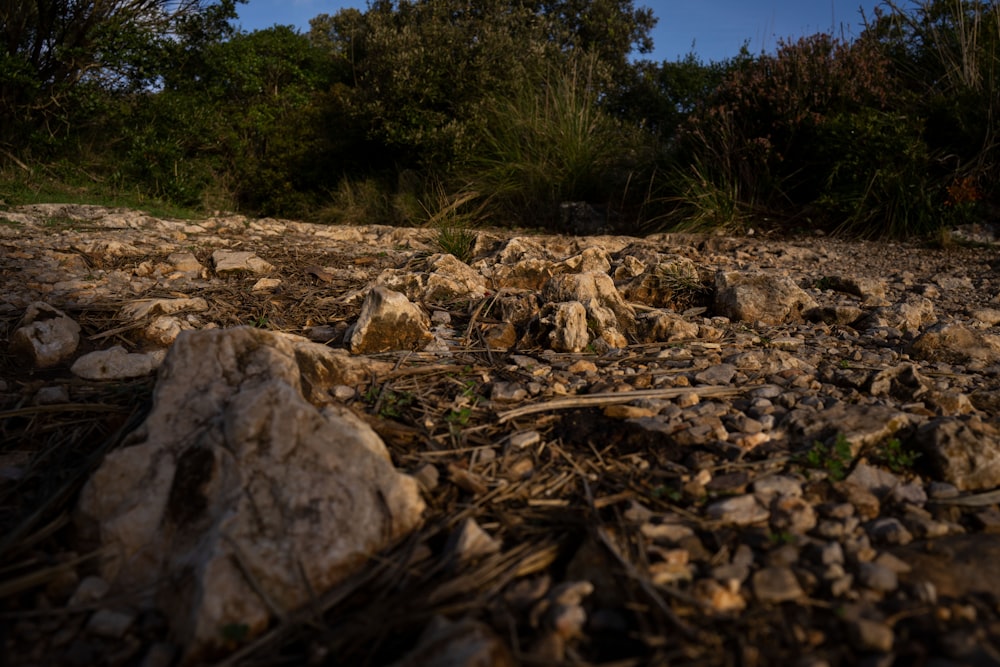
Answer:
(238, 498)
(49, 336)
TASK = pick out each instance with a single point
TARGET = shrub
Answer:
(552, 142)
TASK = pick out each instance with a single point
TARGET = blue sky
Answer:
(717, 28)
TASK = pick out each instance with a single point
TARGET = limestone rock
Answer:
(239, 261)
(956, 343)
(672, 280)
(450, 278)
(611, 315)
(964, 451)
(860, 425)
(912, 314)
(48, 336)
(388, 321)
(238, 496)
(569, 326)
(871, 290)
(137, 310)
(760, 297)
(116, 363)
(904, 382)
(666, 326)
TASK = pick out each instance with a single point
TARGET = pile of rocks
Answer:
(677, 447)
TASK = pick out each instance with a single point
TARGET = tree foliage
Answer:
(51, 50)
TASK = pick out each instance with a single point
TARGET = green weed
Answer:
(834, 458)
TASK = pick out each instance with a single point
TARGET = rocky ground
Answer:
(261, 442)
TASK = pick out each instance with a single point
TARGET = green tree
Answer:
(421, 71)
(52, 51)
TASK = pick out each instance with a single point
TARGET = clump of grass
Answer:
(552, 142)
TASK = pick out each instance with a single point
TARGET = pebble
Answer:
(740, 510)
(776, 584)
(889, 530)
(877, 577)
(110, 623)
(868, 635)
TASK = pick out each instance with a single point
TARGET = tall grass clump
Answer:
(551, 142)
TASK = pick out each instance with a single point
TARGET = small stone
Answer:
(582, 366)
(740, 510)
(508, 392)
(110, 623)
(868, 635)
(524, 439)
(52, 395)
(889, 531)
(877, 577)
(942, 491)
(776, 584)
(90, 590)
(428, 476)
(238, 261)
(766, 488)
(470, 541)
(719, 598)
(793, 514)
(912, 494)
(720, 374)
(266, 284)
(832, 553)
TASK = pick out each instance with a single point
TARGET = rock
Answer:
(904, 382)
(47, 337)
(116, 363)
(776, 584)
(568, 322)
(470, 541)
(860, 425)
(668, 282)
(889, 531)
(451, 279)
(955, 343)
(760, 297)
(871, 290)
(239, 261)
(220, 488)
(964, 451)
(877, 577)
(388, 321)
(718, 374)
(720, 599)
(912, 315)
(110, 623)
(792, 514)
(464, 643)
(137, 310)
(957, 565)
(876, 480)
(663, 325)
(869, 635)
(740, 510)
(597, 292)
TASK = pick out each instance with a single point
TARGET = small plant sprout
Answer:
(834, 458)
